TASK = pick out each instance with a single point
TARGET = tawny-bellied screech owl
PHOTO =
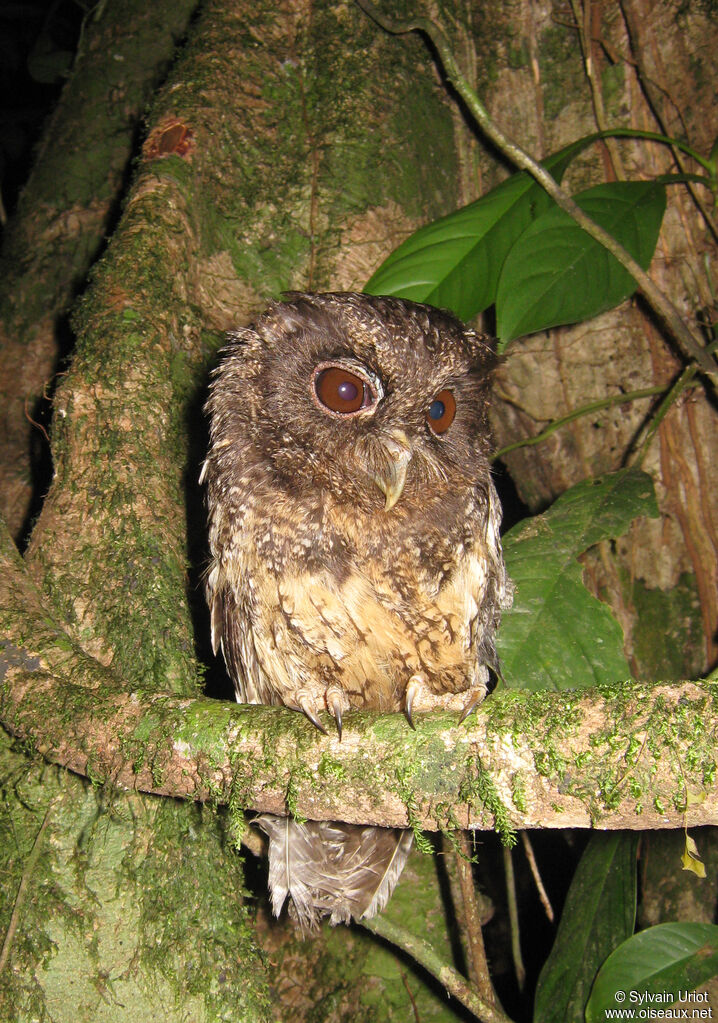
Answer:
(354, 535)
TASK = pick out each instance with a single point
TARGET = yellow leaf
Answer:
(691, 859)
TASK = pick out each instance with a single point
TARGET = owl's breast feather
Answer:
(333, 603)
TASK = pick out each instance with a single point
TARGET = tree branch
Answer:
(626, 756)
(421, 951)
(524, 760)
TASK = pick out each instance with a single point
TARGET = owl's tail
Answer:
(342, 871)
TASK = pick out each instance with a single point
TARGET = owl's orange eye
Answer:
(341, 391)
(441, 412)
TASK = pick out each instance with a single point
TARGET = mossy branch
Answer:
(253, 756)
(626, 756)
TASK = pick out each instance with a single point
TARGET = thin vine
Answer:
(689, 344)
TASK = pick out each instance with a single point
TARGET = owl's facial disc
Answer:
(344, 390)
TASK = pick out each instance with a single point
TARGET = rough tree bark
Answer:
(67, 207)
(652, 68)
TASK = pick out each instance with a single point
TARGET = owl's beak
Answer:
(392, 476)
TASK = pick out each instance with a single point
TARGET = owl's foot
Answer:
(471, 704)
(418, 696)
(336, 703)
(477, 694)
(414, 687)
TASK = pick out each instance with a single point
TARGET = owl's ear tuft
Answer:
(482, 348)
(246, 339)
(301, 314)
(244, 352)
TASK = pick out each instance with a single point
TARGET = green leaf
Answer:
(455, 262)
(556, 273)
(651, 968)
(557, 635)
(599, 914)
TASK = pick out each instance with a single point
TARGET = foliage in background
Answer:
(516, 250)
(557, 635)
(599, 913)
(660, 962)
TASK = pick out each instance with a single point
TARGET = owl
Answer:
(354, 539)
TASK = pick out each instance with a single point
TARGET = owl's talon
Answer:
(469, 707)
(309, 708)
(334, 703)
(413, 687)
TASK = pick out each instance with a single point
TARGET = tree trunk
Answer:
(282, 153)
(67, 208)
(655, 73)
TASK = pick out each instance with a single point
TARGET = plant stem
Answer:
(512, 902)
(538, 881)
(478, 966)
(584, 410)
(676, 389)
(690, 346)
(422, 952)
(667, 140)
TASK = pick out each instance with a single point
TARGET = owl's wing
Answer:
(499, 594)
(231, 631)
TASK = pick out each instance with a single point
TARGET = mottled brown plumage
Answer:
(356, 559)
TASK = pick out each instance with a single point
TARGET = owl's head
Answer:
(377, 402)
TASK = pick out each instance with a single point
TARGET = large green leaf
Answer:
(556, 273)
(598, 915)
(556, 635)
(455, 262)
(650, 969)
